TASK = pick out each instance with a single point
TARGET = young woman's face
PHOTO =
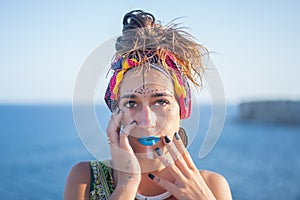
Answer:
(149, 100)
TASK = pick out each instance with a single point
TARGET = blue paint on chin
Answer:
(149, 141)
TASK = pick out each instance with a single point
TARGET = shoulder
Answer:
(81, 171)
(78, 181)
(217, 184)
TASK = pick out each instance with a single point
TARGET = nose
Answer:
(147, 118)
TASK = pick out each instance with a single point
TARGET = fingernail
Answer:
(151, 176)
(167, 139)
(158, 151)
(177, 136)
(133, 122)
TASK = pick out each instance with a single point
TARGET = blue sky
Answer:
(44, 44)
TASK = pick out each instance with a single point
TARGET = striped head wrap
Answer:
(181, 85)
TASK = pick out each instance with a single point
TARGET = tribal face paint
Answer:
(173, 73)
(151, 102)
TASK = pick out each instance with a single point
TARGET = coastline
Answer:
(279, 111)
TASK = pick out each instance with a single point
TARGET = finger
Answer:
(176, 155)
(179, 143)
(169, 163)
(124, 142)
(112, 131)
(183, 151)
(124, 158)
(171, 187)
(118, 116)
(113, 127)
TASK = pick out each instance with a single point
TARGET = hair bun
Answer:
(137, 19)
(142, 34)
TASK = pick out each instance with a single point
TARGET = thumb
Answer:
(124, 133)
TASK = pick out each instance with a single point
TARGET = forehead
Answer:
(150, 78)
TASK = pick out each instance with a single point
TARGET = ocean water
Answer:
(39, 145)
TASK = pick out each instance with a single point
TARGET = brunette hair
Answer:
(142, 33)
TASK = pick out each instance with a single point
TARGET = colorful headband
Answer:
(181, 85)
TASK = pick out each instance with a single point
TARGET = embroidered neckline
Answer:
(102, 185)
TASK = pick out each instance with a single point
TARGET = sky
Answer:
(43, 44)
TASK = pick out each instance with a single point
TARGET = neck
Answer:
(150, 165)
(155, 189)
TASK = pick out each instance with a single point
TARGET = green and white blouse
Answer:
(102, 185)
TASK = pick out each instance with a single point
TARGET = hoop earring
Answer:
(183, 136)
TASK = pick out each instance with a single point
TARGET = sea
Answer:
(39, 144)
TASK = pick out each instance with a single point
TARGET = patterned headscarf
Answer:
(181, 85)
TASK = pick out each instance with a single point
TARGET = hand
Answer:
(189, 183)
(123, 157)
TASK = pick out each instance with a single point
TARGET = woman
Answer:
(148, 95)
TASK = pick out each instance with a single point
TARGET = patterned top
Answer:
(102, 185)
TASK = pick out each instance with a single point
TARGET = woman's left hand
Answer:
(189, 184)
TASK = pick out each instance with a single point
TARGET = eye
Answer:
(130, 104)
(162, 102)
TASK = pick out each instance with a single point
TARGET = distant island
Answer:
(282, 111)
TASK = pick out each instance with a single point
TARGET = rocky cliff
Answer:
(271, 111)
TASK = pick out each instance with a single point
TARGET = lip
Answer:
(149, 141)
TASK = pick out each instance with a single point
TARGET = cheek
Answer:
(169, 114)
(172, 116)
(174, 110)
(132, 141)
(127, 117)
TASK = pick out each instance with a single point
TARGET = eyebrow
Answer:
(162, 94)
(128, 96)
(157, 94)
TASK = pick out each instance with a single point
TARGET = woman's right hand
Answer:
(123, 158)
